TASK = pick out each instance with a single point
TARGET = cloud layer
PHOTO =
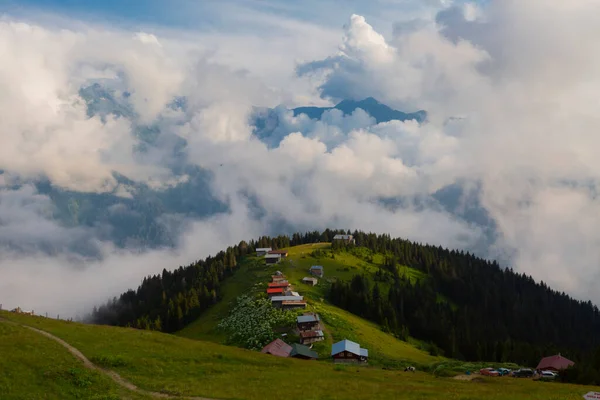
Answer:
(510, 93)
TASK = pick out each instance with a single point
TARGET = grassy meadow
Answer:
(179, 366)
(35, 367)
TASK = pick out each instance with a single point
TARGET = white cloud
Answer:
(522, 76)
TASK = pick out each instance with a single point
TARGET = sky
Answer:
(509, 87)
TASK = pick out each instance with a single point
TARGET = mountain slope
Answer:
(168, 364)
(252, 276)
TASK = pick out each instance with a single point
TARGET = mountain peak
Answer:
(369, 101)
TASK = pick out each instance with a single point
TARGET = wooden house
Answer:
(271, 259)
(277, 301)
(263, 251)
(282, 253)
(348, 351)
(309, 337)
(303, 352)
(316, 270)
(344, 238)
(277, 348)
(293, 304)
(274, 292)
(308, 322)
(554, 363)
(281, 284)
(278, 278)
(309, 280)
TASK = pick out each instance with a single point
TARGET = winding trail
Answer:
(118, 379)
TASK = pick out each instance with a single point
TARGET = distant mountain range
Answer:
(269, 128)
(375, 109)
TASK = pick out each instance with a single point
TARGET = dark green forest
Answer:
(169, 301)
(466, 307)
(471, 308)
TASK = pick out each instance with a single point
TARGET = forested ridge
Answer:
(167, 302)
(467, 307)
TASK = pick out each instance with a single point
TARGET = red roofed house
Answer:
(283, 284)
(554, 363)
(277, 348)
(278, 291)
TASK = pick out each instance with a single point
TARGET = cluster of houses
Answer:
(308, 325)
(282, 294)
(343, 352)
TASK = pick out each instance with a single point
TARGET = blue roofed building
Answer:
(348, 351)
(317, 270)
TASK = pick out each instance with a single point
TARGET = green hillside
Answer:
(34, 367)
(253, 276)
(173, 365)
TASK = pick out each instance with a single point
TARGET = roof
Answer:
(274, 290)
(264, 249)
(310, 334)
(294, 293)
(292, 302)
(288, 298)
(307, 318)
(281, 284)
(344, 237)
(271, 255)
(557, 362)
(308, 278)
(278, 273)
(299, 349)
(317, 267)
(278, 252)
(278, 348)
(345, 345)
(364, 352)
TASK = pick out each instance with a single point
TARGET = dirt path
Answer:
(111, 374)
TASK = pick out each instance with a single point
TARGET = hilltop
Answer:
(454, 303)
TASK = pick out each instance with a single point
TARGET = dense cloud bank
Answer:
(124, 153)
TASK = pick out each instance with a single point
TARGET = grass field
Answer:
(35, 367)
(167, 363)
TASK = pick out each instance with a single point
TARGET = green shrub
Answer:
(79, 377)
(251, 322)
